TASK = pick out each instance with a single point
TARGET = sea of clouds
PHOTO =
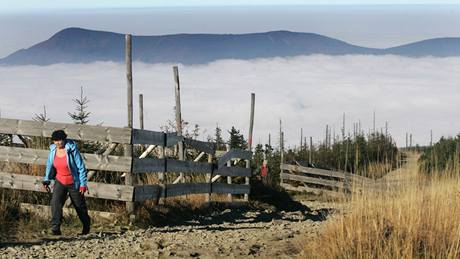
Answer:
(413, 94)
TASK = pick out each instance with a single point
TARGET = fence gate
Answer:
(218, 164)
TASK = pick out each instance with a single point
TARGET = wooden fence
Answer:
(301, 178)
(218, 163)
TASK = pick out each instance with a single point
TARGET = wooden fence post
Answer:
(141, 111)
(410, 142)
(281, 155)
(282, 147)
(209, 180)
(373, 122)
(179, 118)
(128, 150)
(161, 176)
(251, 129)
(301, 139)
(229, 178)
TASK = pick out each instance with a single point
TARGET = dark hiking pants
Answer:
(60, 192)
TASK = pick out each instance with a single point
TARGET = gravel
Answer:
(249, 234)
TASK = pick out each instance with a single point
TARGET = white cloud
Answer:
(413, 95)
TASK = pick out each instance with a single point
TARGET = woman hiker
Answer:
(65, 165)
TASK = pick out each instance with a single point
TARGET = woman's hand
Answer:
(46, 185)
(83, 189)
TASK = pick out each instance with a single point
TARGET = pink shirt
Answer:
(63, 174)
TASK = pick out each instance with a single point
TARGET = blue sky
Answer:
(67, 4)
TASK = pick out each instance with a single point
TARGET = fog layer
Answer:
(413, 95)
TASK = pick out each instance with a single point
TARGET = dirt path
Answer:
(401, 177)
(230, 233)
(408, 172)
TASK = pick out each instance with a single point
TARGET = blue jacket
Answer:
(74, 160)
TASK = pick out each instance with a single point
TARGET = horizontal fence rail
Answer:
(96, 190)
(315, 178)
(168, 165)
(312, 180)
(234, 171)
(170, 139)
(149, 192)
(101, 134)
(323, 172)
(39, 157)
(207, 147)
(73, 131)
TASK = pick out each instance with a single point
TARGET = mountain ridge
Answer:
(79, 45)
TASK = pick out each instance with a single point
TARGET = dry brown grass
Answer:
(376, 170)
(417, 220)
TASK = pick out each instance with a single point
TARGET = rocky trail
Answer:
(231, 233)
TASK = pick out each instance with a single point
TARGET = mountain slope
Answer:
(76, 45)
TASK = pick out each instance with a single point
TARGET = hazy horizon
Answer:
(367, 26)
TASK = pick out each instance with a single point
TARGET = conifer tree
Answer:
(220, 145)
(81, 115)
(41, 117)
(236, 140)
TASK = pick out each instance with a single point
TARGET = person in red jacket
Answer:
(65, 165)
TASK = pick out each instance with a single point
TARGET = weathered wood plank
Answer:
(45, 212)
(207, 147)
(198, 157)
(208, 179)
(147, 192)
(307, 179)
(21, 182)
(96, 190)
(323, 172)
(74, 131)
(39, 157)
(235, 153)
(23, 155)
(156, 138)
(230, 188)
(111, 191)
(149, 137)
(234, 171)
(289, 187)
(215, 178)
(172, 138)
(107, 163)
(315, 171)
(229, 178)
(147, 151)
(188, 166)
(147, 165)
(179, 189)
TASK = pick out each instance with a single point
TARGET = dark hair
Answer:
(58, 135)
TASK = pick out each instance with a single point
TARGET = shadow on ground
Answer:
(266, 204)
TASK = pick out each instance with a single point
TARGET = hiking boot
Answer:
(56, 232)
(85, 230)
